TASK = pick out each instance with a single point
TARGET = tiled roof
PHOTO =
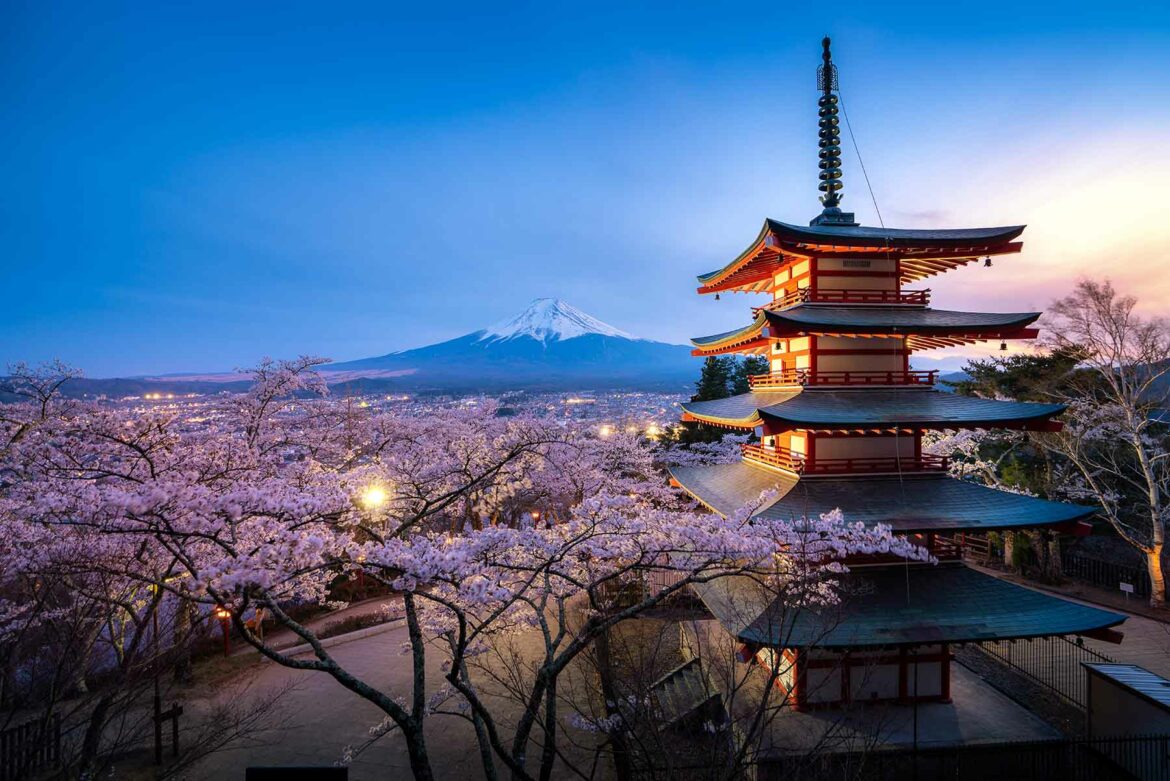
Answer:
(979, 239)
(901, 605)
(829, 409)
(749, 331)
(899, 320)
(743, 408)
(727, 487)
(912, 504)
(870, 235)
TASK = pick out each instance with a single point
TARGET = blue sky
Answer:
(193, 187)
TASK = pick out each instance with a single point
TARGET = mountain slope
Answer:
(551, 345)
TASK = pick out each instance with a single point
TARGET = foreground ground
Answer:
(318, 719)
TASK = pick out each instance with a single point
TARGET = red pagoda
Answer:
(840, 419)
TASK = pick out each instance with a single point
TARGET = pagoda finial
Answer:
(830, 143)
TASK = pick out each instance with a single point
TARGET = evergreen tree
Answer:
(751, 364)
(715, 379)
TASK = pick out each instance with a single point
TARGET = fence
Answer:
(29, 748)
(1066, 759)
(1053, 662)
(1106, 573)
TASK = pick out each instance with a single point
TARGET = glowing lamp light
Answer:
(222, 613)
(374, 496)
(536, 515)
(653, 430)
(605, 430)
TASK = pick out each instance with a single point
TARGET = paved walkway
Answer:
(1146, 642)
(318, 718)
(281, 638)
(977, 714)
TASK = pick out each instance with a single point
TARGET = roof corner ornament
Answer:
(830, 143)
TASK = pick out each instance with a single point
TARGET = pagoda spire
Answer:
(830, 143)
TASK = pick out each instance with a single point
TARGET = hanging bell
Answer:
(987, 262)
(1003, 344)
(716, 296)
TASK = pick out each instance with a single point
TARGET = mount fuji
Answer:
(551, 345)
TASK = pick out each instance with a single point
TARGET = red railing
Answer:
(809, 296)
(792, 461)
(944, 548)
(805, 377)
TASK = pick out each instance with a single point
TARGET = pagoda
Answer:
(840, 419)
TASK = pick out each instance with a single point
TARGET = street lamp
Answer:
(374, 496)
(225, 616)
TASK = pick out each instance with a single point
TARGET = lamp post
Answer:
(224, 615)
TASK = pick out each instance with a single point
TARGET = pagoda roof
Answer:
(750, 338)
(926, 328)
(809, 318)
(870, 236)
(780, 242)
(912, 504)
(910, 604)
(849, 409)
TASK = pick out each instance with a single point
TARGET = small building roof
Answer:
(911, 504)
(902, 604)
(844, 409)
(1138, 680)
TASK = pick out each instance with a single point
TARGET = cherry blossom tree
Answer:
(489, 527)
(1116, 435)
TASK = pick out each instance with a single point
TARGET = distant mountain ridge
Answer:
(551, 345)
(550, 319)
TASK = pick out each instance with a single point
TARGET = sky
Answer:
(190, 187)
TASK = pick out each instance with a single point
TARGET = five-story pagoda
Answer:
(840, 419)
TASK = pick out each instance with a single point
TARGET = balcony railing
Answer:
(807, 377)
(792, 461)
(846, 297)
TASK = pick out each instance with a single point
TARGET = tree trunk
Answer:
(1055, 562)
(87, 760)
(1009, 548)
(622, 760)
(1040, 551)
(416, 748)
(181, 637)
(1157, 576)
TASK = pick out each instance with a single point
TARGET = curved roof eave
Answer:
(749, 331)
(867, 236)
(900, 320)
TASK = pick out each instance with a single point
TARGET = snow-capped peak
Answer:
(550, 319)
